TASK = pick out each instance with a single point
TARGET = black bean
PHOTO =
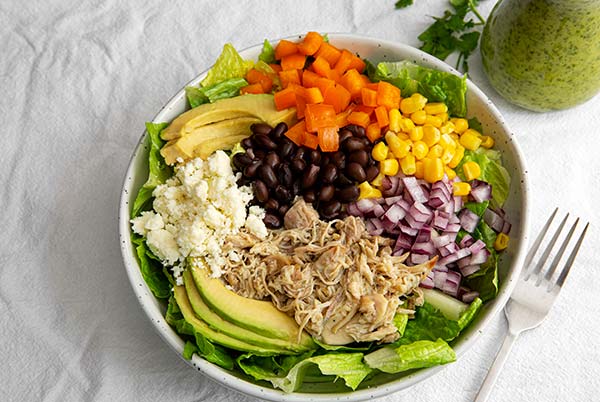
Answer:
(261, 192)
(343, 180)
(285, 174)
(259, 154)
(283, 209)
(298, 165)
(315, 157)
(241, 160)
(339, 159)
(353, 144)
(272, 159)
(325, 160)
(300, 152)
(361, 157)
(247, 143)
(272, 221)
(278, 131)
(327, 192)
(250, 170)
(260, 128)
(264, 142)
(329, 173)
(358, 131)
(366, 142)
(286, 147)
(355, 171)
(283, 194)
(344, 135)
(272, 204)
(371, 172)
(250, 153)
(348, 194)
(310, 196)
(296, 187)
(267, 174)
(310, 177)
(331, 209)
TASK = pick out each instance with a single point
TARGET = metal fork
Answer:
(534, 294)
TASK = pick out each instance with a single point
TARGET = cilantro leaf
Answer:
(403, 3)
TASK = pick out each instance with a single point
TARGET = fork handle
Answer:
(492, 375)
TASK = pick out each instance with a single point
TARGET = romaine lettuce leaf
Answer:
(477, 207)
(436, 86)
(492, 172)
(188, 350)
(429, 324)
(466, 317)
(224, 89)
(268, 53)
(151, 269)
(415, 355)
(229, 65)
(343, 348)
(158, 170)
(400, 321)
(174, 318)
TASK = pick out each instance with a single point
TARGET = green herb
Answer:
(454, 32)
(403, 3)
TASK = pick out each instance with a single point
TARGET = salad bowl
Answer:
(516, 207)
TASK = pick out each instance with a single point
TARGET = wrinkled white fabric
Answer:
(78, 80)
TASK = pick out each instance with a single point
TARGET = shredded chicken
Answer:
(338, 282)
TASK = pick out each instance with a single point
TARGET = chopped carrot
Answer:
(373, 85)
(253, 76)
(289, 77)
(388, 95)
(329, 53)
(252, 89)
(353, 81)
(329, 139)
(309, 78)
(373, 132)
(368, 97)
(343, 62)
(310, 95)
(359, 118)
(310, 44)
(285, 48)
(310, 140)
(275, 67)
(300, 106)
(319, 116)
(321, 67)
(338, 97)
(293, 62)
(296, 132)
(285, 98)
(381, 115)
(365, 109)
(324, 83)
(357, 63)
(341, 119)
(334, 75)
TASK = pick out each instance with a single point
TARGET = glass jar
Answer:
(543, 54)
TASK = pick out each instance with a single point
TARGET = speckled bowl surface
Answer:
(382, 384)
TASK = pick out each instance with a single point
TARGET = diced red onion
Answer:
(480, 257)
(457, 255)
(424, 235)
(470, 296)
(412, 222)
(453, 227)
(441, 241)
(423, 248)
(468, 220)
(458, 203)
(427, 283)
(394, 214)
(403, 241)
(470, 269)
(365, 205)
(466, 241)
(378, 210)
(390, 186)
(441, 268)
(448, 249)
(417, 259)
(393, 200)
(439, 221)
(408, 230)
(414, 189)
(374, 227)
(477, 246)
(506, 227)
(353, 210)
(420, 212)
(481, 191)
(439, 279)
(494, 220)
(453, 277)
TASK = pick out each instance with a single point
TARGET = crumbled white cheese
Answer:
(195, 210)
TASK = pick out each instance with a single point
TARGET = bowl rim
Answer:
(150, 305)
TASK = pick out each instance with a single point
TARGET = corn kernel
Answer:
(435, 151)
(471, 170)
(431, 135)
(380, 151)
(378, 180)
(368, 191)
(443, 117)
(470, 140)
(433, 120)
(487, 141)
(435, 108)
(403, 136)
(416, 134)
(406, 124)
(501, 241)
(419, 100)
(408, 106)
(419, 150)
(408, 165)
(389, 167)
(458, 155)
(433, 169)
(419, 169)
(447, 155)
(447, 128)
(449, 172)
(460, 125)
(418, 117)
(399, 147)
(461, 188)
(446, 141)
(454, 136)
(394, 116)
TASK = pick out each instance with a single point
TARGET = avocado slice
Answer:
(258, 316)
(260, 106)
(219, 324)
(214, 336)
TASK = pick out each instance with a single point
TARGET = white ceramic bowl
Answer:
(510, 266)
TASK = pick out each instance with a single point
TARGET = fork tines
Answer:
(536, 270)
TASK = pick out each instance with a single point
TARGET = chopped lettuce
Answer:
(466, 317)
(429, 324)
(188, 350)
(492, 172)
(436, 86)
(267, 54)
(158, 170)
(174, 318)
(152, 270)
(343, 348)
(419, 354)
(400, 321)
(348, 366)
(477, 208)
(228, 65)
(224, 89)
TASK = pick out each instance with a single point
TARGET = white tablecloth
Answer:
(78, 80)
